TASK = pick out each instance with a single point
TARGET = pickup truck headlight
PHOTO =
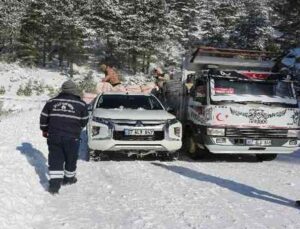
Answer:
(174, 128)
(177, 131)
(103, 121)
(215, 131)
(172, 121)
(293, 133)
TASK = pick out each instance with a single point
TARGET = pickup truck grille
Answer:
(119, 135)
(256, 133)
(143, 122)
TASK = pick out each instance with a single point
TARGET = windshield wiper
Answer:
(232, 101)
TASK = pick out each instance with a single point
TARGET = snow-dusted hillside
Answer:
(13, 76)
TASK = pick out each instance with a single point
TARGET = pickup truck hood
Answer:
(133, 114)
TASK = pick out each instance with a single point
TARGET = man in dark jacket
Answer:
(61, 121)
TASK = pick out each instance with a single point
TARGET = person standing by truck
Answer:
(111, 75)
(160, 77)
(61, 121)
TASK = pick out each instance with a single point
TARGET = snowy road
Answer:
(226, 192)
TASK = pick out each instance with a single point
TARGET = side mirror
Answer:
(90, 107)
(171, 110)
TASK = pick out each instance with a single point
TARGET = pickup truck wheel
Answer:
(91, 155)
(168, 156)
(265, 157)
(96, 155)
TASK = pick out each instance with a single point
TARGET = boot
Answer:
(69, 180)
(54, 186)
(297, 203)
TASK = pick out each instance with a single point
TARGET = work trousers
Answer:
(63, 155)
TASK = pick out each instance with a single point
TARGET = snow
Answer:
(225, 191)
(291, 60)
(220, 192)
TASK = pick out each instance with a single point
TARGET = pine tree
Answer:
(10, 23)
(33, 34)
(69, 30)
(253, 30)
(287, 21)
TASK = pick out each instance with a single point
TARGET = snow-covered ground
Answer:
(221, 192)
(225, 192)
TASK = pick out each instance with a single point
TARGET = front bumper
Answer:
(230, 146)
(219, 149)
(115, 145)
(113, 138)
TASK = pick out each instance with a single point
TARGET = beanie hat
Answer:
(69, 87)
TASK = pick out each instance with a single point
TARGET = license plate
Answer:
(139, 132)
(260, 142)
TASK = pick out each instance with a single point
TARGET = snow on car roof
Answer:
(124, 93)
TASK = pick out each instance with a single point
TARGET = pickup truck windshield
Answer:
(270, 92)
(129, 102)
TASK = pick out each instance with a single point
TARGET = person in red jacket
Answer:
(111, 75)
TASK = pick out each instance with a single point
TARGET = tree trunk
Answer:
(44, 53)
(144, 63)
(148, 63)
(71, 68)
(134, 62)
(60, 58)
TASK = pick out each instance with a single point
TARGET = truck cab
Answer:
(238, 106)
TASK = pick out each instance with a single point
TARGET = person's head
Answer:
(157, 71)
(69, 87)
(103, 67)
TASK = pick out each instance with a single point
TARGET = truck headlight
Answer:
(293, 133)
(215, 131)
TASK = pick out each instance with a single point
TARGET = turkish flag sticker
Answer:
(223, 90)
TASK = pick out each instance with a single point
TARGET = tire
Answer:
(169, 156)
(265, 157)
(192, 150)
(95, 155)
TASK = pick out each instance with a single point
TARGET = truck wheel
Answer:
(191, 147)
(265, 157)
(193, 150)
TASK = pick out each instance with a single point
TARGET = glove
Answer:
(45, 134)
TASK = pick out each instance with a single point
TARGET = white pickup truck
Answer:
(134, 124)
